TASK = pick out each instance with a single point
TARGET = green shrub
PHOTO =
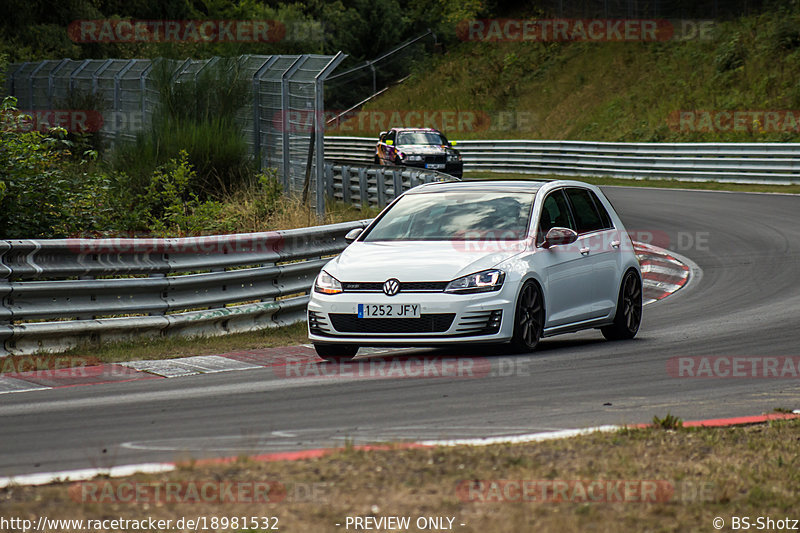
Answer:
(198, 116)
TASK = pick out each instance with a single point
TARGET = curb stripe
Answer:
(46, 478)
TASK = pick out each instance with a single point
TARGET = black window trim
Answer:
(591, 193)
(561, 190)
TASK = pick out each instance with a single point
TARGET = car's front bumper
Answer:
(446, 319)
(454, 169)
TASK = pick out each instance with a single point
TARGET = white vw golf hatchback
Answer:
(480, 262)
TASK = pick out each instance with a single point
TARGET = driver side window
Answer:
(555, 213)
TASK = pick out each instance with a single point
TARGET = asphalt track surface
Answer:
(746, 303)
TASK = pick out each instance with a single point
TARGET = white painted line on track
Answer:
(46, 478)
(8, 384)
(515, 439)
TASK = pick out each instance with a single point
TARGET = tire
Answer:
(528, 318)
(629, 309)
(336, 352)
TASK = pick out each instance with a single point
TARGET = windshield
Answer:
(420, 137)
(455, 216)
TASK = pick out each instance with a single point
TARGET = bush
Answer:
(198, 116)
(43, 191)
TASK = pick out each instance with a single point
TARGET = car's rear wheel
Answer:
(336, 352)
(629, 309)
(528, 318)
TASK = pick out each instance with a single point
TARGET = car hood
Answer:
(418, 260)
(423, 149)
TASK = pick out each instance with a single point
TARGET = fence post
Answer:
(143, 88)
(323, 189)
(286, 164)
(12, 80)
(51, 83)
(30, 83)
(77, 71)
(117, 106)
(257, 109)
(380, 177)
(345, 183)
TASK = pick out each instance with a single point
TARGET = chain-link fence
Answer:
(118, 97)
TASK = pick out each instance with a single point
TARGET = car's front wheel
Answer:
(629, 309)
(528, 318)
(336, 352)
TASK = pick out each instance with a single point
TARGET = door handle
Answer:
(584, 251)
(615, 244)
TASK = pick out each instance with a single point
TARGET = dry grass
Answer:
(751, 471)
(253, 209)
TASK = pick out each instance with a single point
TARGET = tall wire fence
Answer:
(282, 125)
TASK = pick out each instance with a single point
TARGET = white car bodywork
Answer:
(580, 282)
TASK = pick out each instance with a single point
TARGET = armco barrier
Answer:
(374, 185)
(56, 294)
(732, 162)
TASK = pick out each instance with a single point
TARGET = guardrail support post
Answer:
(345, 184)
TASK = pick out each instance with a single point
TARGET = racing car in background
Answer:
(419, 147)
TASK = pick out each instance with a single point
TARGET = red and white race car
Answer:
(419, 147)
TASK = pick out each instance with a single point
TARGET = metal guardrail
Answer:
(374, 185)
(55, 294)
(731, 162)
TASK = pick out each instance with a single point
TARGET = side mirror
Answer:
(353, 235)
(390, 142)
(556, 236)
(383, 133)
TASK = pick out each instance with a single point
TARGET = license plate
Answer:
(434, 165)
(388, 310)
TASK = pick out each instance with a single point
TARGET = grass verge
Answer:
(659, 184)
(748, 471)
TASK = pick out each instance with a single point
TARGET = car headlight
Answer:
(327, 284)
(486, 281)
(412, 157)
(453, 158)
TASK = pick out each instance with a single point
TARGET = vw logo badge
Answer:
(391, 287)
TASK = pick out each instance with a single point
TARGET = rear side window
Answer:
(607, 224)
(587, 216)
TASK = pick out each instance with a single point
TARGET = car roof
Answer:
(525, 185)
(415, 129)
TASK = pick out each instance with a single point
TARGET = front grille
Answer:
(435, 159)
(407, 286)
(426, 323)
